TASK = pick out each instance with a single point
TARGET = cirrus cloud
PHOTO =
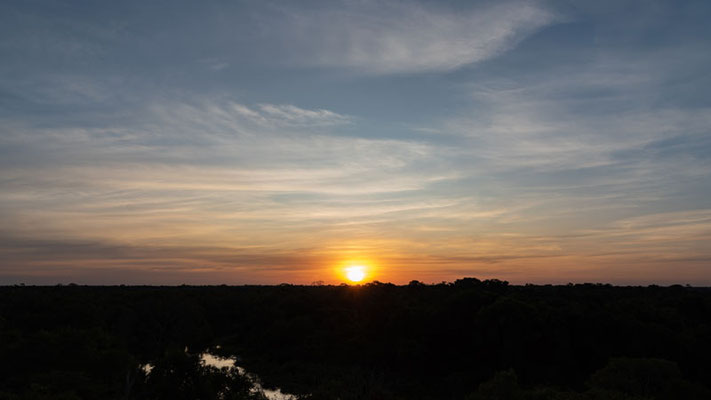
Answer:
(407, 37)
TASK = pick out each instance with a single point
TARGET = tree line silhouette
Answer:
(469, 339)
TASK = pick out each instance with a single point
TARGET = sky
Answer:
(260, 142)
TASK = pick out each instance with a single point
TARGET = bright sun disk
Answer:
(355, 273)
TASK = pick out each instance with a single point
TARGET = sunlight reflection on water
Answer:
(212, 360)
(221, 362)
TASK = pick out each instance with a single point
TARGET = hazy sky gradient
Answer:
(266, 142)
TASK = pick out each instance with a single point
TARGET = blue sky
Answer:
(266, 142)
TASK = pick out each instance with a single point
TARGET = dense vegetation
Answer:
(463, 340)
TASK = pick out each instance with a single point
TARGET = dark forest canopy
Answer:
(468, 339)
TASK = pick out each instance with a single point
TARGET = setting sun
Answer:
(356, 270)
(355, 273)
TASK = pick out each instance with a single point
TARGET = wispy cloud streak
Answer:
(407, 37)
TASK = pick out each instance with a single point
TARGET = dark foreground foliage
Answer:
(465, 340)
